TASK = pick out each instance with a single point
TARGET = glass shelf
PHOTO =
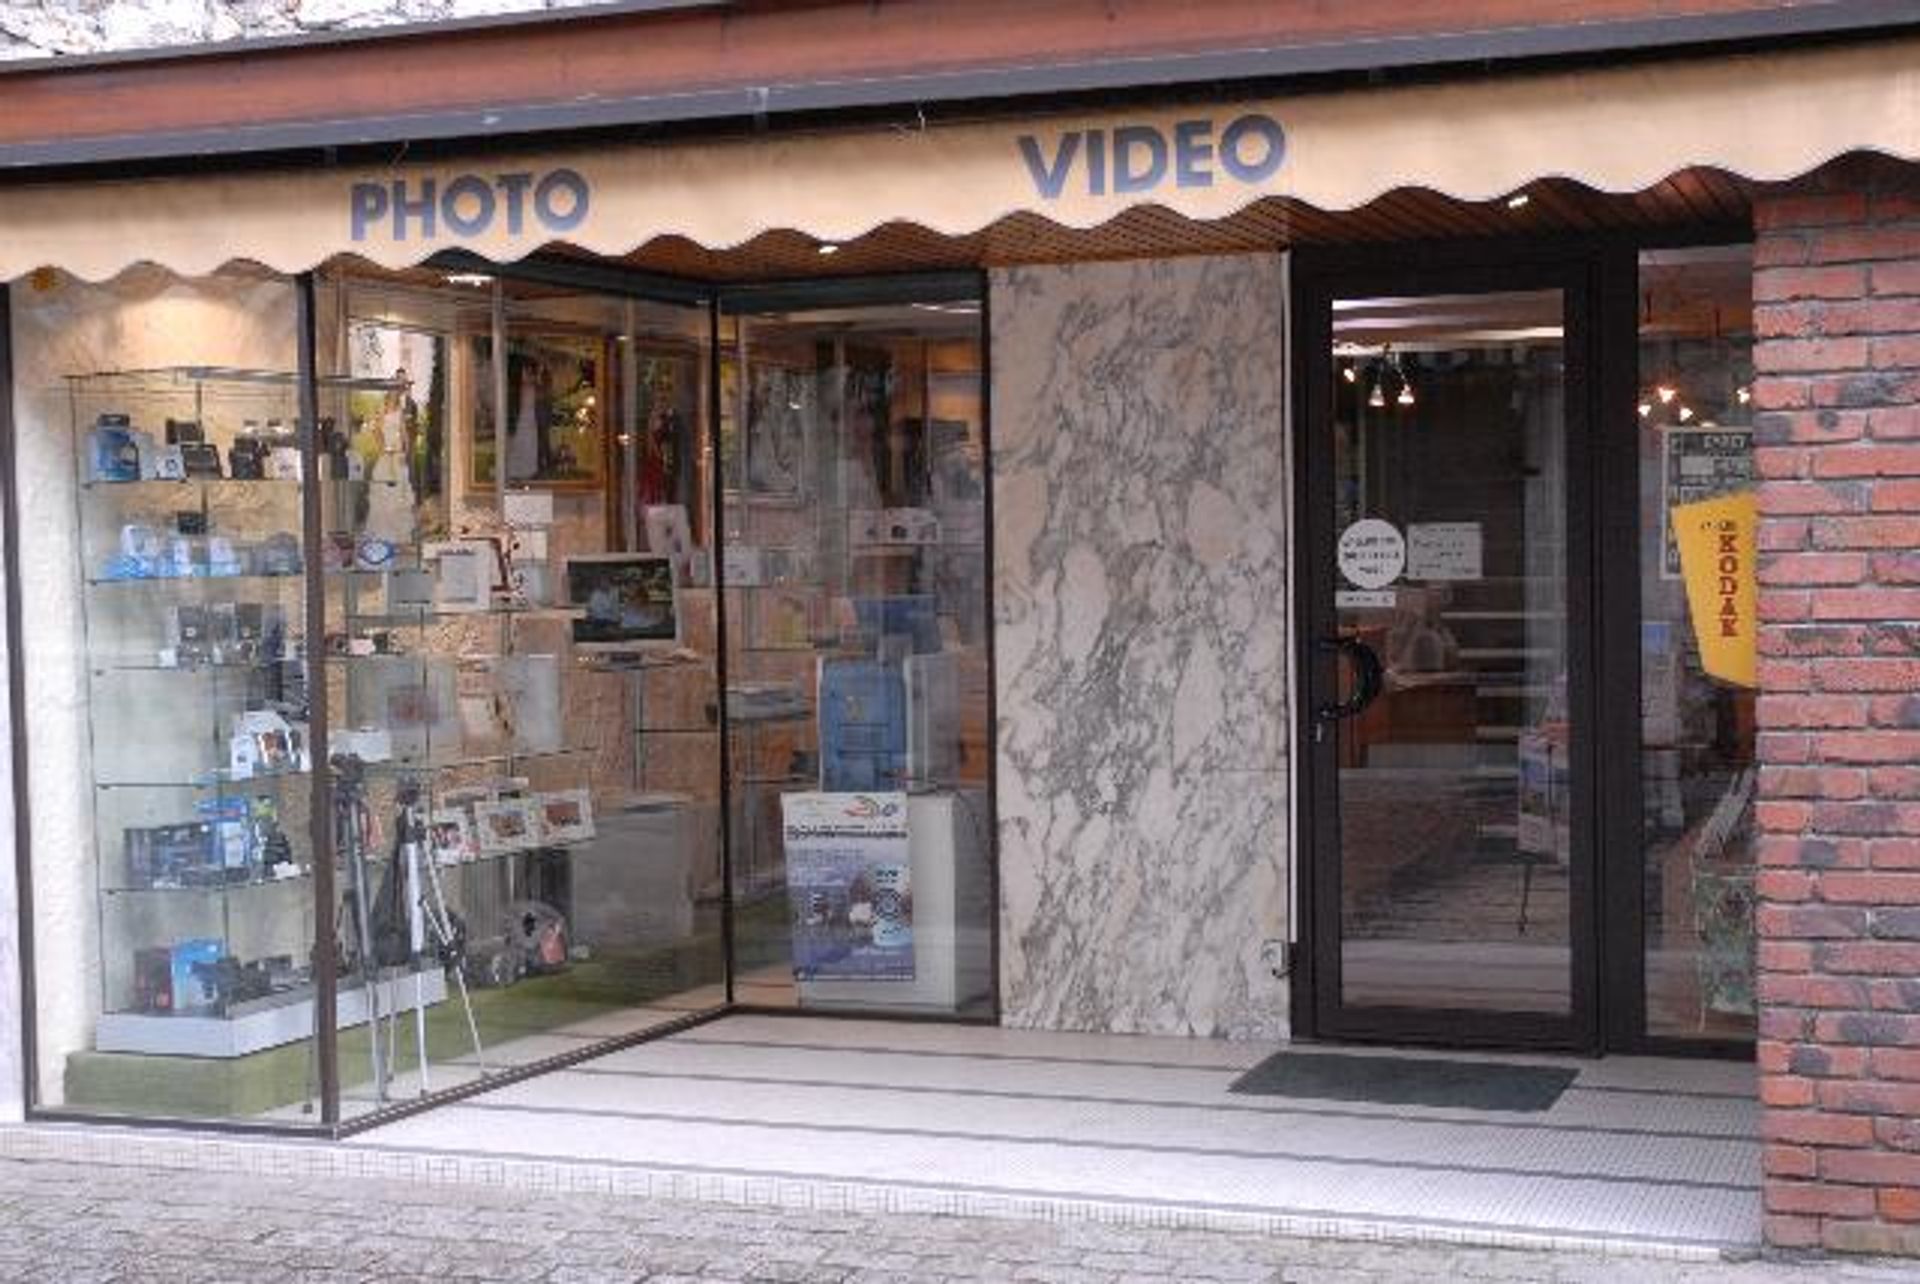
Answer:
(374, 861)
(211, 668)
(426, 615)
(183, 379)
(276, 780)
(101, 581)
(398, 766)
(291, 880)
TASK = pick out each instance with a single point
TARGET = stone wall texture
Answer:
(1837, 317)
(40, 28)
(1140, 571)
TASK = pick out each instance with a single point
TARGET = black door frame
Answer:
(1318, 278)
(1601, 274)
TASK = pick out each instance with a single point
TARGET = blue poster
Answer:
(849, 882)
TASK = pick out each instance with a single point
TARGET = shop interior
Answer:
(549, 830)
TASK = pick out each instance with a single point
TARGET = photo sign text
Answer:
(467, 206)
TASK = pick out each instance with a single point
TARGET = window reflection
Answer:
(1697, 706)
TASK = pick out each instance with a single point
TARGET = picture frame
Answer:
(509, 825)
(557, 395)
(450, 837)
(399, 433)
(767, 428)
(465, 573)
(566, 816)
(669, 535)
(660, 449)
(626, 601)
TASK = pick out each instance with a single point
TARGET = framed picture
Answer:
(669, 535)
(626, 601)
(566, 816)
(768, 458)
(465, 573)
(556, 414)
(450, 837)
(399, 433)
(667, 385)
(510, 825)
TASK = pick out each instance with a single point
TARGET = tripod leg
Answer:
(356, 858)
(442, 923)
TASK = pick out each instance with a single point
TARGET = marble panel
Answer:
(1141, 533)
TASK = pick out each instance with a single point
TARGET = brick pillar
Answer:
(1837, 318)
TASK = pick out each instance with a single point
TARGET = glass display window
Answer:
(853, 458)
(1695, 433)
(435, 671)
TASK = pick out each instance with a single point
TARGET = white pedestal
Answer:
(952, 916)
(255, 1027)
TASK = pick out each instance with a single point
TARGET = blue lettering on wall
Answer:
(470, 205)
(1139, 158)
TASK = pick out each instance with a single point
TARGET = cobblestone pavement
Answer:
(73, 1224)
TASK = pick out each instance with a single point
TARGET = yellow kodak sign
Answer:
(1718, 540)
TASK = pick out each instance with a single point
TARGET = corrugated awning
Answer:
(1765, 116)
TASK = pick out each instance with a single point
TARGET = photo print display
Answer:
(556, 412)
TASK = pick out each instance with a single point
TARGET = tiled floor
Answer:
(1637, 1152)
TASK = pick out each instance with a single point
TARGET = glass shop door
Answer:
(1445, 722)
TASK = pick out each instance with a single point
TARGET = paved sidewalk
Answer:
(72, 1224)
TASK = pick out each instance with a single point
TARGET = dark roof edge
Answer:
(1510, 47)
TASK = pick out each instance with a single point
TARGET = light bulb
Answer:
(1346, 372)
(1686, 413)
(1376, 398)
(1743, 395)
(1406, 395)
(1665, 393)
(1646, 408)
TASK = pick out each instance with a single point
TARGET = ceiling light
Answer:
(468, 278)
(1519, 201)
(1406, 395)
(1686, 413)
(1376, 398)
(1743, 395)
(828, 247)
(1646, 408)
(1347, 373)
(1665, 393)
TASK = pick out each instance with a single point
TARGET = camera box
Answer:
(178, 979)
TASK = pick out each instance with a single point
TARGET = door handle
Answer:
(1368, 676)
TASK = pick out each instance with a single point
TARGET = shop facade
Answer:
(1320, 566)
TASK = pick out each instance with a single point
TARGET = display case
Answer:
(198, 669)
(854, 589)
(522, 730)
(420, 699)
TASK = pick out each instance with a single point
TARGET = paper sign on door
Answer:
(1443, 551)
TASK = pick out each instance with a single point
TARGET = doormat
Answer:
(1407, 1081)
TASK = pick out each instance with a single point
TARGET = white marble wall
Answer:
(1141, 529)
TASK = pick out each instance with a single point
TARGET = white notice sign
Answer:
(1443, 551)
(1371, 553)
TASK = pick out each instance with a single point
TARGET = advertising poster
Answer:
(1718, 541)
(1701, 463)
(849, 885)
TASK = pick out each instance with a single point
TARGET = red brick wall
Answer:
(1837, 317)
